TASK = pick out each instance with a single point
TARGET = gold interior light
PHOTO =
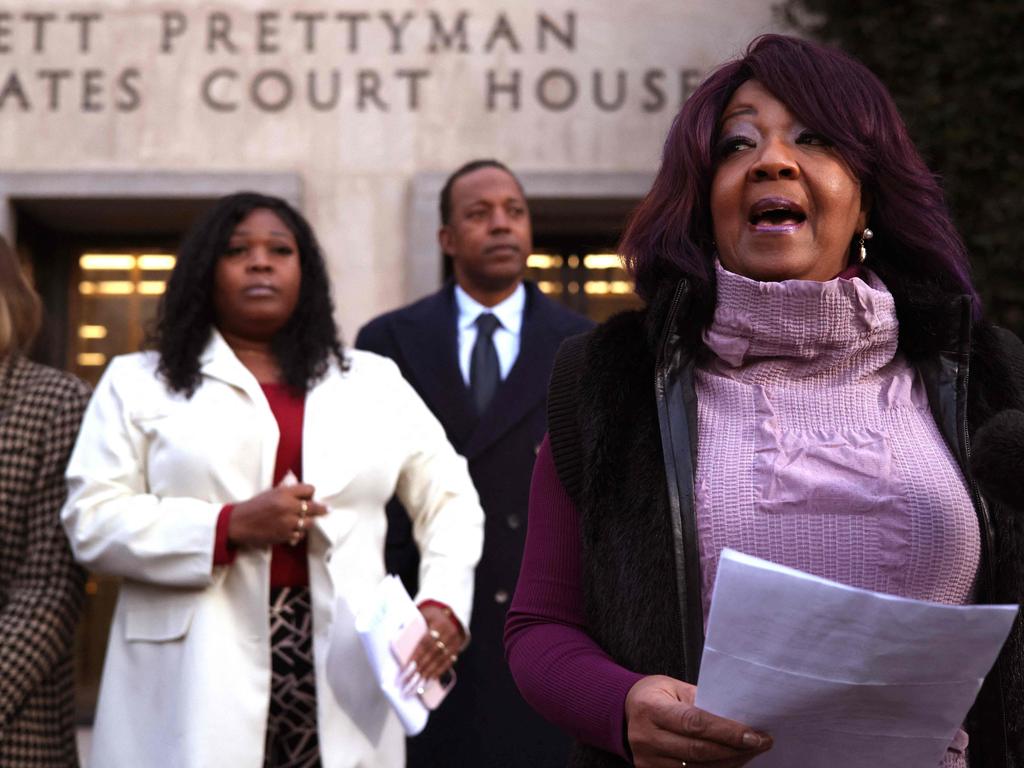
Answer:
(106, 261)
(156, 262)
(88, 359)
(549, 287)
(543, 261)
(605, 287)
(92, 332)
(602, 261)
(108, 287)
(115, 287)
(152, 287)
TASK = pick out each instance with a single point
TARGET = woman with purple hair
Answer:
(803, 385)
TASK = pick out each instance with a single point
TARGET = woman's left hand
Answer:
(439, 648)
(665, 730)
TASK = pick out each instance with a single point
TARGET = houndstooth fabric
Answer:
(291, 726)
(40, 586)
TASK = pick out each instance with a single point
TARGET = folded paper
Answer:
(378, 622)
(841, 676)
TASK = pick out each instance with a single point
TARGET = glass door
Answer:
(591, 283)
(114, 303)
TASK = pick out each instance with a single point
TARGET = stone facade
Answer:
(357, 108)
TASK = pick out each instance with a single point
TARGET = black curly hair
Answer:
(185, 319)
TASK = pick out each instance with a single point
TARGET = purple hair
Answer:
(670, 234)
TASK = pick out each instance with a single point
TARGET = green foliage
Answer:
(956, 71)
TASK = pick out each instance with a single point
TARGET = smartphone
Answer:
(404, 643)
(402, 648)
(435, 690)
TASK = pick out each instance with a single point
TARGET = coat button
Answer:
(501, 597)
(513, 521)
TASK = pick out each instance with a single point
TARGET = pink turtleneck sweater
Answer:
(817, 446)
(817, 450)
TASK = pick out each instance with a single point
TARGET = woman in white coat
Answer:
(235, 477)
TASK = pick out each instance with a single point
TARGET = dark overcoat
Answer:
(40, 585)
(484, 722)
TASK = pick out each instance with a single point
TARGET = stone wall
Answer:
(361, 100)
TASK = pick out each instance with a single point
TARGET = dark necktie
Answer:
(484, 373)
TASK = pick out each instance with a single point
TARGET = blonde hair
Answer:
(21, 311)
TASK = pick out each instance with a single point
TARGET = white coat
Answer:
(186, 682)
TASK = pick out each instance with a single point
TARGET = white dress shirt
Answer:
(506, 336)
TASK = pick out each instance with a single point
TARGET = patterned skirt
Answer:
(291, 725)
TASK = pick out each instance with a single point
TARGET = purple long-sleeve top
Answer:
(560, 670)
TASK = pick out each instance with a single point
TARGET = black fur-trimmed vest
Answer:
(623, 394)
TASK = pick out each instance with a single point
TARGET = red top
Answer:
(288, 564)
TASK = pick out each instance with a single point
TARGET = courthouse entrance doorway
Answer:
(578, 219)
(575, 260)
(100, 274)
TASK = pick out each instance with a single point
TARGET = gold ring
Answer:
(300, 525)
(303, 508)
(434, 634)
(442, 647)
(454, 657)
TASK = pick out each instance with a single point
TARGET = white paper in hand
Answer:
(840, 676)
(377, 623)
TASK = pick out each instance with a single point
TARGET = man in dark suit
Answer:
(479, 352)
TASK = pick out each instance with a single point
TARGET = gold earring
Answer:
(867, 234)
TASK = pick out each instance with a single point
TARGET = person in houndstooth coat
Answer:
(40, 586)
